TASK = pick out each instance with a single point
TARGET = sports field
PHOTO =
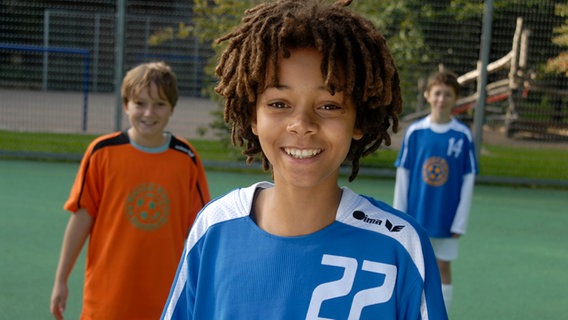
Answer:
(512, 262)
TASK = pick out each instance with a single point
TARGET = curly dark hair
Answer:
(356, 61)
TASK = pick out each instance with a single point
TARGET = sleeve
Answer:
(402, 153)
(182, 297)
(435, 308)
(423, 298)
(202, 184)
(400, 201)
(461, 218)
(180, 300)
(85, 192)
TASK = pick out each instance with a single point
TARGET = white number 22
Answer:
(342, 286)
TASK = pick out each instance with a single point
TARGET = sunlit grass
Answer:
(500, 161)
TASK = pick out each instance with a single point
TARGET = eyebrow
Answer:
(283, 86)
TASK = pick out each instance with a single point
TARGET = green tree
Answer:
(420, 33)
(398, 20)
(559, 64)
(401, 21)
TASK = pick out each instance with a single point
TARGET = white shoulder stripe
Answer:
(234, 205)
(359, 212)
(461, 128)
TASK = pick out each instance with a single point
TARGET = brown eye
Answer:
(277, 105)
(330, 107)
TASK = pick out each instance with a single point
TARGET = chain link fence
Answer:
(57, 62)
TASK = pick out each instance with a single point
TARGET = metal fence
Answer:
(522, 99)
(60, 32)
(69, 48)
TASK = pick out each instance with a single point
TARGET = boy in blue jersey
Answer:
(435, 174)
(307, 85)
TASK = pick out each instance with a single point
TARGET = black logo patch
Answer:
(360, 215)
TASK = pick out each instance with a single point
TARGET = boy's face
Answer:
(304, 131)
(148, 115)
(442, 98)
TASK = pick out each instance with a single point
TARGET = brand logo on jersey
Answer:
(185, 150)
(360, 215)
(148, 206)
(435, 171)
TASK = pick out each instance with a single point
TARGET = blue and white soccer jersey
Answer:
(439, 165)
(373, 262)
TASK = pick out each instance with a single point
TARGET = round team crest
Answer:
(435, 171)
(148, 206)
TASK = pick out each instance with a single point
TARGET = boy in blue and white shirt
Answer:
(307, 85)
(435, 175)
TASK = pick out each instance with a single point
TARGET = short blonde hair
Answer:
(143, 75)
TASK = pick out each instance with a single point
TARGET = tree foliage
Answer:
(421, 33)
(559, 64)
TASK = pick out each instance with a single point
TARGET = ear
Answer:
(426, 95)
(125, 107)
(253, 125)
(357, 134)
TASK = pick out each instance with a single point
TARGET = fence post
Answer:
(96, 48)
(479, 116)
(45, 73)
(119, 60)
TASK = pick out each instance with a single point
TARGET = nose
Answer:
(149, 110)
(302, 122)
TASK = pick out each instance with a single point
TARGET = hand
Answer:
(456, 235)
(59, 300)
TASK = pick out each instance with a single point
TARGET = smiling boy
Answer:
(135, 197)
(307, 85)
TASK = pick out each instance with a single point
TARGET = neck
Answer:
(296, 212)
(440, 118)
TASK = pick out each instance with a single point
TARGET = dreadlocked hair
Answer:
(356, 61)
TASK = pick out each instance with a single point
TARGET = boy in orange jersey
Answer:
(135, 197)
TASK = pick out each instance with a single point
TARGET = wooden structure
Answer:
(513, 91)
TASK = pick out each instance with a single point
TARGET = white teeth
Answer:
(302, 154)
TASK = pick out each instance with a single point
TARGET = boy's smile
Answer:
(304, 131)
(301, 154)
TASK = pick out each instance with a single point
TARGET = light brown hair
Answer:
(143, 75)
(444, 77)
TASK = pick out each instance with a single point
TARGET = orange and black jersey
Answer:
(143, 202)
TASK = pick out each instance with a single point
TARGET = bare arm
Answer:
(76, 233)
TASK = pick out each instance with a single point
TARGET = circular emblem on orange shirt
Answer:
(435, 171)
(148, 206)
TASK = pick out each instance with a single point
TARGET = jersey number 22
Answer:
(343, 286)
